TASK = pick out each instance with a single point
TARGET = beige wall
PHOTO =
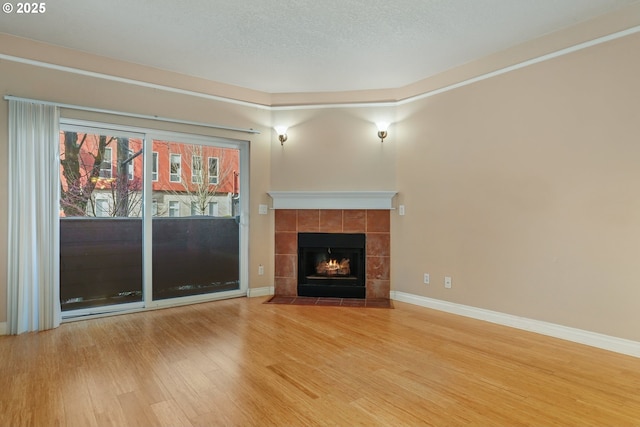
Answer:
(525, 188)
(334, 149)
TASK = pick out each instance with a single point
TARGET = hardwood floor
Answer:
(244, 363)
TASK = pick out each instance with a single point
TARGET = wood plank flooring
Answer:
(244, 363)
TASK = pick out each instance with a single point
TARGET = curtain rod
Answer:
(134, 115)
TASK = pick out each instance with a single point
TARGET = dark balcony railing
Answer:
(101, 259)
(195, 255)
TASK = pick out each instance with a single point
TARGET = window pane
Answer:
(102, 208)
(154, 171)
(105, 166)
(196, 169)
(174, 209)
(130, 164)
(213, 208)
(195, 209)
(176, 168)
(213, 170)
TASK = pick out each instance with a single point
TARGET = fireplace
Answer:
(331, 265)
(373, 223)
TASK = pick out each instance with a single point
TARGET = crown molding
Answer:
(467, 74)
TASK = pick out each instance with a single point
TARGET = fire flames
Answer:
(332, 267)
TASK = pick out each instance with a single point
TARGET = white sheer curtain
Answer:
(33, 300)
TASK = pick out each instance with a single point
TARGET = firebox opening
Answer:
(331, 265)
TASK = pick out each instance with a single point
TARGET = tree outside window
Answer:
(90, 183)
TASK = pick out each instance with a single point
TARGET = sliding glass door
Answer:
(196, 211)
(148, 219)
(100, 219)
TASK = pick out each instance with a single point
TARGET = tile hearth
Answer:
(331, 302)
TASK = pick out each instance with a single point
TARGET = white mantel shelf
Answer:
(332, 199)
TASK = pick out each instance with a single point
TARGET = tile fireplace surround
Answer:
(375, 223)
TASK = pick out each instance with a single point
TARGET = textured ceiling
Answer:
(301, 45)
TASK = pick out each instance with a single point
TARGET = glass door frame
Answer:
(90, 127)
(186, 138)
(148, 135)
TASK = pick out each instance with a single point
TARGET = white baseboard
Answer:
(3, 328)
(606, 342)
(260, 292)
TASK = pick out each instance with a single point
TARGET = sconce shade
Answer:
(282, 133)
(382, 130)
(382, 126)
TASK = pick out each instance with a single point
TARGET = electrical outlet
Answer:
(260, 270)
(447, 282)
(426, 278)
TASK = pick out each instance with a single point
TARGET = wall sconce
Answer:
(382, 130)
(282, 133)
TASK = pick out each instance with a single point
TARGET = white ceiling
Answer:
(301, 45)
